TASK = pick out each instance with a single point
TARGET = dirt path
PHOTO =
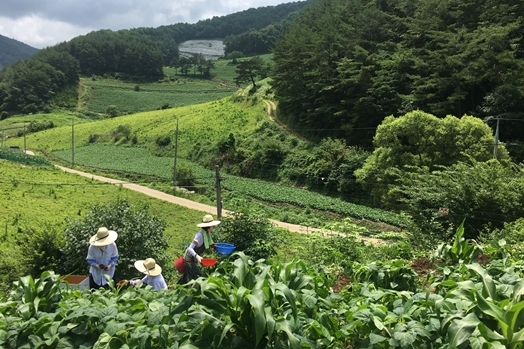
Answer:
(272, 114)
(178, 200)
(196, 205)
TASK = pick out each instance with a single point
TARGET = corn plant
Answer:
(462, 251)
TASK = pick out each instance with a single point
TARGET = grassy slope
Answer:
(10, 126)
(36, 197)
(202, 122)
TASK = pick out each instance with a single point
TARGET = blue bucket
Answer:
(224, 248)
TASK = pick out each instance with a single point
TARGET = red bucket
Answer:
(179, 265)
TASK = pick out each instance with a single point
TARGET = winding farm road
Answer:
(157, 194)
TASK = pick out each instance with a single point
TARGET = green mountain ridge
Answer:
(12, 50)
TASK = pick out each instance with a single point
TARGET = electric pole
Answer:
(219, 192)
(496, 144)
(24, 138)
(73, 142)
(176, 148)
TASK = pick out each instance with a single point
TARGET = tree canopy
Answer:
(418, 140)
(344, 65)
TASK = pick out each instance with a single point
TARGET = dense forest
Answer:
(345, 65)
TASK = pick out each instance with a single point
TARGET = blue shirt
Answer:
(157, 282)
(106, 255)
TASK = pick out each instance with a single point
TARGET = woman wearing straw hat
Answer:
(102, 256)
(153, 273)
(201, 242)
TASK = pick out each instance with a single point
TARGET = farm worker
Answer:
(201, 242)
(102, 256)
(153, 273)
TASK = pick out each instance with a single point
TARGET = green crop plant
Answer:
(462, 251)
(395, 275)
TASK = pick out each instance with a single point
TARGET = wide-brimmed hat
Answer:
(148, 267)
(103, 237)
(208, 221)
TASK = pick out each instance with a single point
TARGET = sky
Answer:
(42, 23)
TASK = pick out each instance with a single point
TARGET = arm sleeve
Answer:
(113, 260)
(91, 262)
(191, 249)
(91, 259)
(197, 241)
(114, 256)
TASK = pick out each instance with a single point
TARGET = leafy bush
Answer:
(163, 141)
(481, 192)
(112, 110)
(122, 132)
(140, 236)
(43, 248)
(249, 230)
(329, 250)
(184, 175)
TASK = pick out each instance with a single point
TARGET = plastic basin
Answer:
(223, 248)
(209, 262)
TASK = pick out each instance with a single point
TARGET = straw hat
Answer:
(103, 237)
(148, 267)
(208, 221)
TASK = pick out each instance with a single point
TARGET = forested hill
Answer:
(345, 65)
(261, 25)
(12, 50)
(29, 86)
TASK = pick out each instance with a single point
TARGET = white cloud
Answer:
(39, 32)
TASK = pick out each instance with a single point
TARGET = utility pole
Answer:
(176, 148)
(24, 138)
(219, 192)
(73, 142)
(496, 144)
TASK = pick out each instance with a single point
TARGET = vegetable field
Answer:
(138, 160)
(101, 94)
(247, 304)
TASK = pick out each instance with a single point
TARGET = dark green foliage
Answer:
(345, 65)
(250, 70)
(35, 126)
(185, 176)
(112, 110)
(43, 249)
(487, 194)
(121, 133)
(326, 168)
(249, 230)
(125, 52)
(418, 140)
(329, 250)
(395, 275)
(13, 50)
(140, 236)
(163, 141)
